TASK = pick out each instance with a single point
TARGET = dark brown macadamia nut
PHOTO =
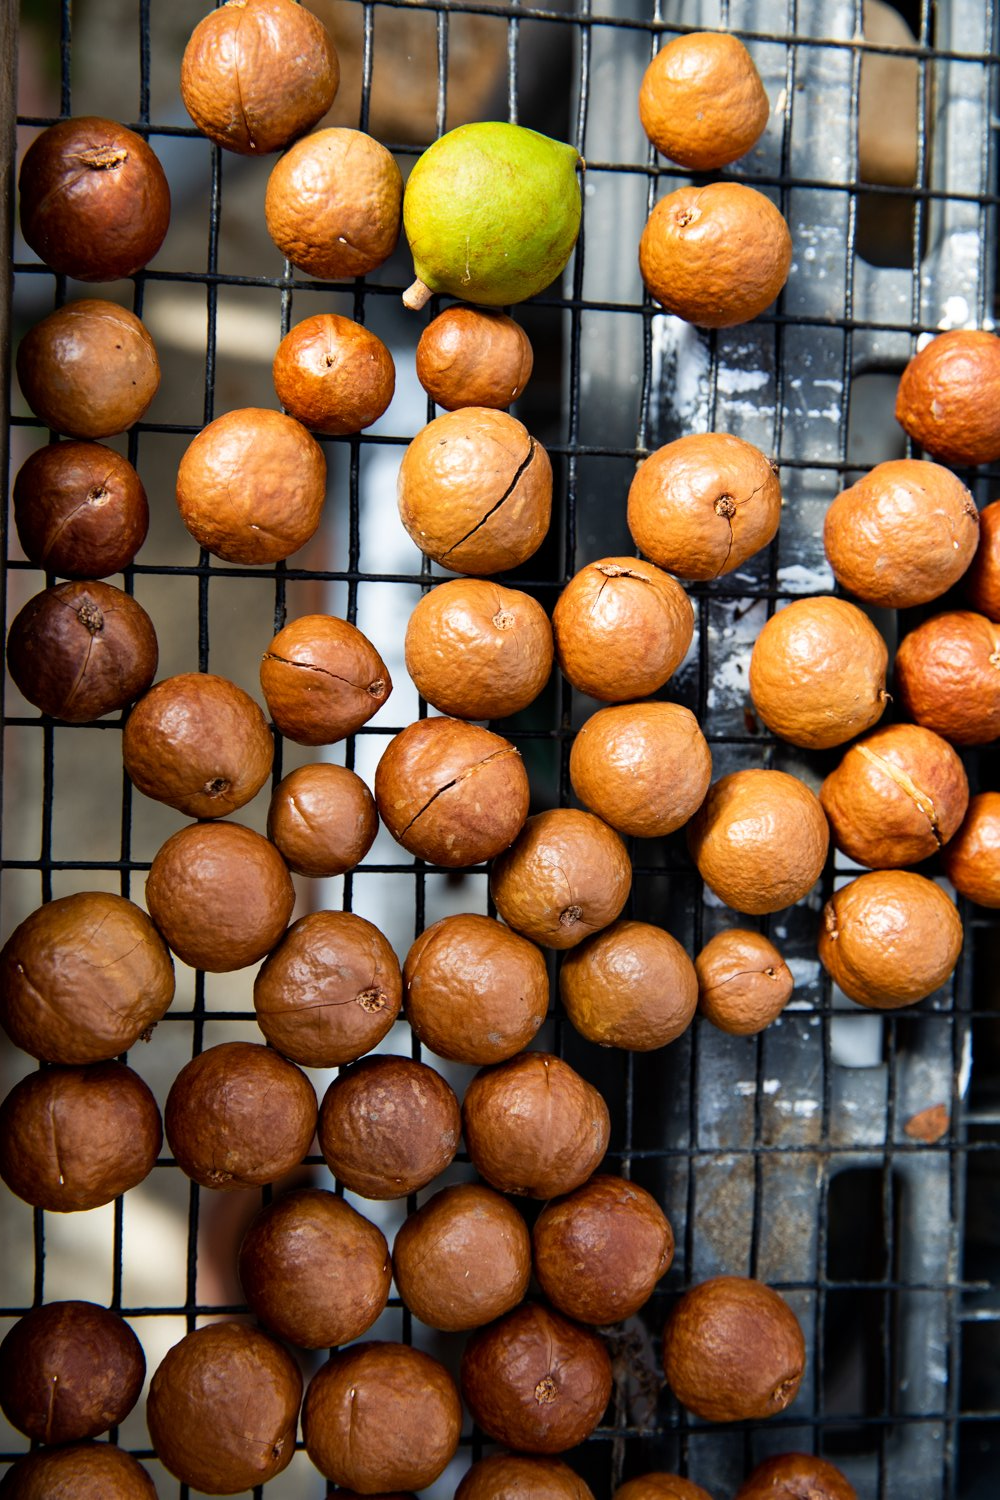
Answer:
(80, 509)
(388, 1126)
(81, 1471)
(759, 839)
(947, 397)
(511, 1476)
(787, 1476)
(468, 356)
(889, 938)
(743, 982)
(971, 858)
(566, 875)
(622, 628)
(322, 679)
(69, 1370)
(642, 767)
(462, 1259)
(947, 675)
(631, 985)
(323, 819)
(660, 1486)
(89, 369)
(333, 204)
(333, 374)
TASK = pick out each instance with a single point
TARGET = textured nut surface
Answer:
(701, 101)
(622, 628)
(473, 356)
(630, 986)
(789, 1476)
(388, 1125)
(80, 509)
(463, 1258)
(566, 875)
(333, 374)
(518, 1476)
(333, 204)
(947, 675)
(889, 938)
(322, 818)
(981, 584)
(642, 767)
(743, 982)
(948, 397)
(322, 679)
(84, 1471)
(971, 859)
(89, 369)
(69, 1370)
(660, 1486)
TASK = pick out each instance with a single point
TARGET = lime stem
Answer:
(416, 296)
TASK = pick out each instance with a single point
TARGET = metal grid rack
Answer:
(782, 1156)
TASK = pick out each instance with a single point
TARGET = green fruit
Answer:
(492, 212)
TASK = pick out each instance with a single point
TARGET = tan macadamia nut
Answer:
(743, 982)
(314, 1270)
(238, 1116)
(81, 1471)
(703, 504)
(323, 819)
(83, 978)
(80, 509)
(79, 651)
(451, 792)
(251, 486)
(477, 650)
(817, 672)
(622, 628)
(971, 859)
(475, 491)
(566, 875)
(760, 840)
(333, 374)
(257, 73)
(220, 894)
(897, 796)
(463, 1259)
(535, 1381)
(333, 204)
(787, 1476)
(475, 991)
(630, 986)
(947, 676)
(533, 1126)
(660, 1486)
(322, 679)
(380, 1417)
(508, 1476)
(74, 1138)
(69, 1370)
(733, 1350)
(471, 356)
(388, 1125)
(223, 1408)
(89, 369)
(949, 397)
(889, 938)
(981, 584)
(642, 767)
(716, 255)
(701, 101)
(198, 743)
(329, 991)
(599, 1252)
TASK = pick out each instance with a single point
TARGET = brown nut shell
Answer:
(535, 1381)
(322, 818)
(533, 1126)
(329, 992)
(947, 674)
(83, 1471)
(79, 651)
(80, 509)
(322, 679)
(622, 628)
(789, 1476)
(733, 1350)
(223, 1408)
(701, 101)
(971, 859)
(333, 374)
(660, 1486)
(477, 650)
(703, 504)
(471, 356)
(981, 584)
(760, 840)
(451, 792)
(889, 938)
(257, 73)
(518, 1476)
(716, 255)
(566, 875)
(642, 767)
(381, 1416)
(817, 672)
(630, 986)
(463, 1259)
(743, 982)
(475, 491)
(314, 1270)
(333, 204)
(475, 991)
(69, 1370)
(949, 397)
(600, 1251)
(388, 1125)
(89, 369)
(74, 1138)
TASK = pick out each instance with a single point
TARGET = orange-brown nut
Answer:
(475, 991)
(388, 1125)
(475, 491)
(566, 875)
(509, 1476)
(701, 101)
(789, 1476)
(329, 992)
(660, 1486)
(80, 509)
(981, 584)
(715, 255)
(949, 397)
(533, 1126)
(463, 1259)
(251, 486)
(69, 1370)
(971, 859)
(333, 374)
(333, 204)
(322, 679)
(947, 675)
(630, 986)
(889, 938)
(897, 796)
(743, 982)
(469, 356)
(817, 672)
(759, 840)
(733, 1350)
(477, 650)
(322, 818)
(701, 505)
(642, 767)
(903, 534)
(600, 1251)
(622, 628)
(89, 369)
(451, 792)
(83, 1471)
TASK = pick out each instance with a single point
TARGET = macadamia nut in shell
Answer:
(889, 938)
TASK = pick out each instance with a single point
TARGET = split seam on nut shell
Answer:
(462, 776)
(518, 474)
(906, 784)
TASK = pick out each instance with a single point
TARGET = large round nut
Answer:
(981, 584)
(566, 875)
(80, 1471)
(322, 818)
(971, 859)
(69, 1370)
(333, 374)
(743, 982)
(630, 986)
(642, 767)
(473, 356)
(504, 1476)
(333, 204)
(948, 397)
(388, 1125)
(622, 628)
(701, 101)
(80, 509)
(947, 675)
(322, 679)
(661, 1486)
(889, 938)
(463, 1259)
(786, 1476)
(89, 369)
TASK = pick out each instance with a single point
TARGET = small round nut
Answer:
(948, 397)
(333, 374)
(80, 510)
(889, 938)
(622, 628)
(789, 1475)
(473, 356)
(516, 1474)
(333, 204)
(947, 675)
(701, 101)
(322, 679)
(661, 1486)
(630, 986)
(743, 982)
(565, 876)
(981, 584)
(971, 858)
(642, 767)
(322, 818)
(89, 369)
(87, 1471)
(69, 1370)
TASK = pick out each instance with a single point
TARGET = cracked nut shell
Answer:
(889, 938)
(83, 1471)
(566, 875)
(89, 369)
(323, 819)
(69, 1370)
(80, 510)
(475, 491)
(701, 101)
(622, 628)
(322, 679)
(333, 374)
(948, 399)
(947, 675)
(517, 1476)
(642, 767)
(333, 204)
(981, 584)
(789, 1476)
(469, 356)
(387, 1126)
(971, 858)
(661, 1486)
(630, 986)
(743, 982)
